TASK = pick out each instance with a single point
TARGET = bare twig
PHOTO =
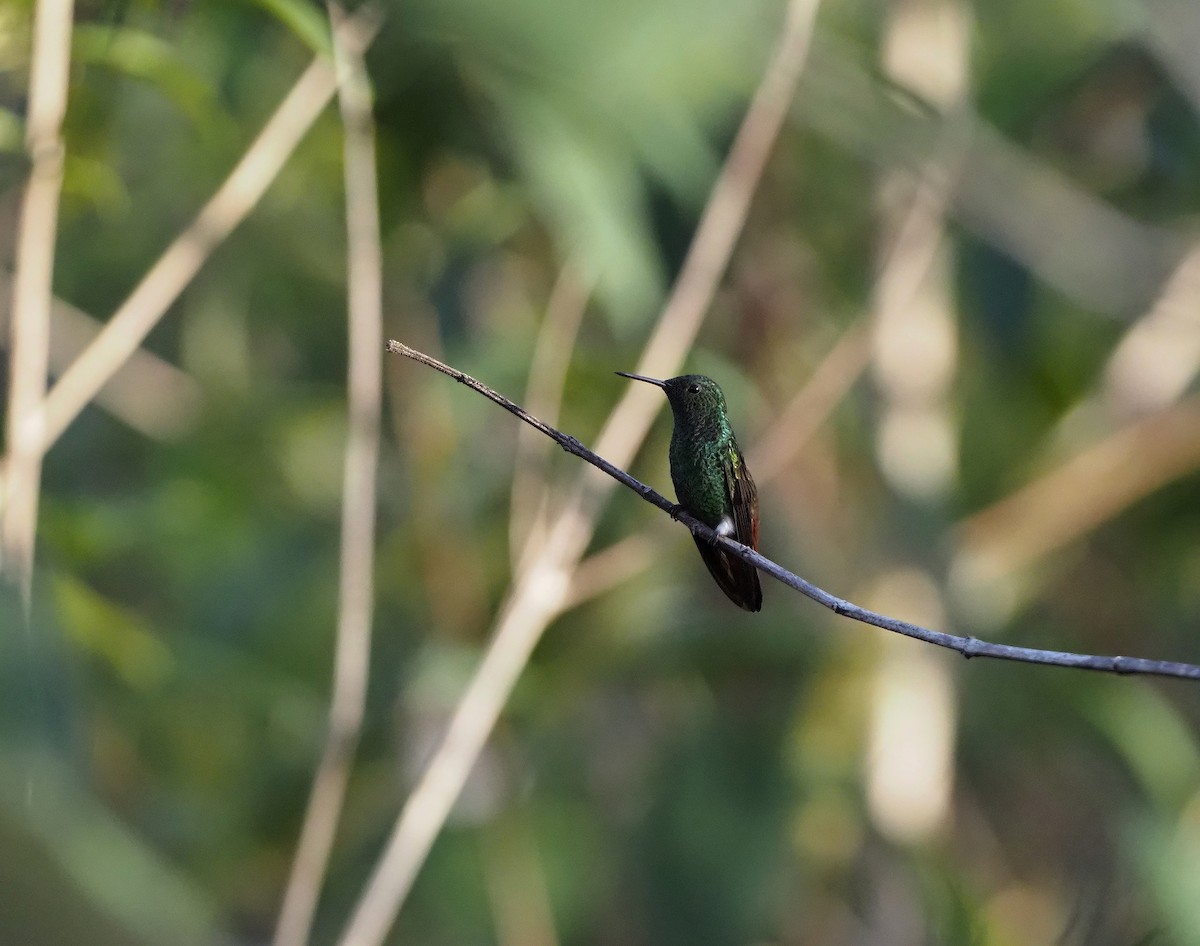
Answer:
(33, 289)
(167, 278)
(364, 261)
(967, 646)
(541, 586)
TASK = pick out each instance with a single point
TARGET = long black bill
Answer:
(642, 377)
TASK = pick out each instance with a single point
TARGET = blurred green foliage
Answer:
(669, 770)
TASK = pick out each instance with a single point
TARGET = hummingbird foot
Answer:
(724, 528)
(675, 510)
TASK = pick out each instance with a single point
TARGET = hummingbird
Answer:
(712, 481)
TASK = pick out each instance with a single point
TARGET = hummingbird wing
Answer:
(744, 495)
(737, 579)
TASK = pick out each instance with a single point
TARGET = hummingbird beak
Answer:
(642, 377)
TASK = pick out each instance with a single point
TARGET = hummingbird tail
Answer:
(736, 578)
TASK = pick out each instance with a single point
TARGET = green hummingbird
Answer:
(712, 481)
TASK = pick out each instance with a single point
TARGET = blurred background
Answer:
(959, 335)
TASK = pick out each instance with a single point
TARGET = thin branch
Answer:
(541, 586)
(33, 290)
(967, 646)
(347, 705)
(180, 262)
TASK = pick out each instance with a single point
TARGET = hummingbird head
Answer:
(696, 400)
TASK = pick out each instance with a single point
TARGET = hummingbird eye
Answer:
(693, 389)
